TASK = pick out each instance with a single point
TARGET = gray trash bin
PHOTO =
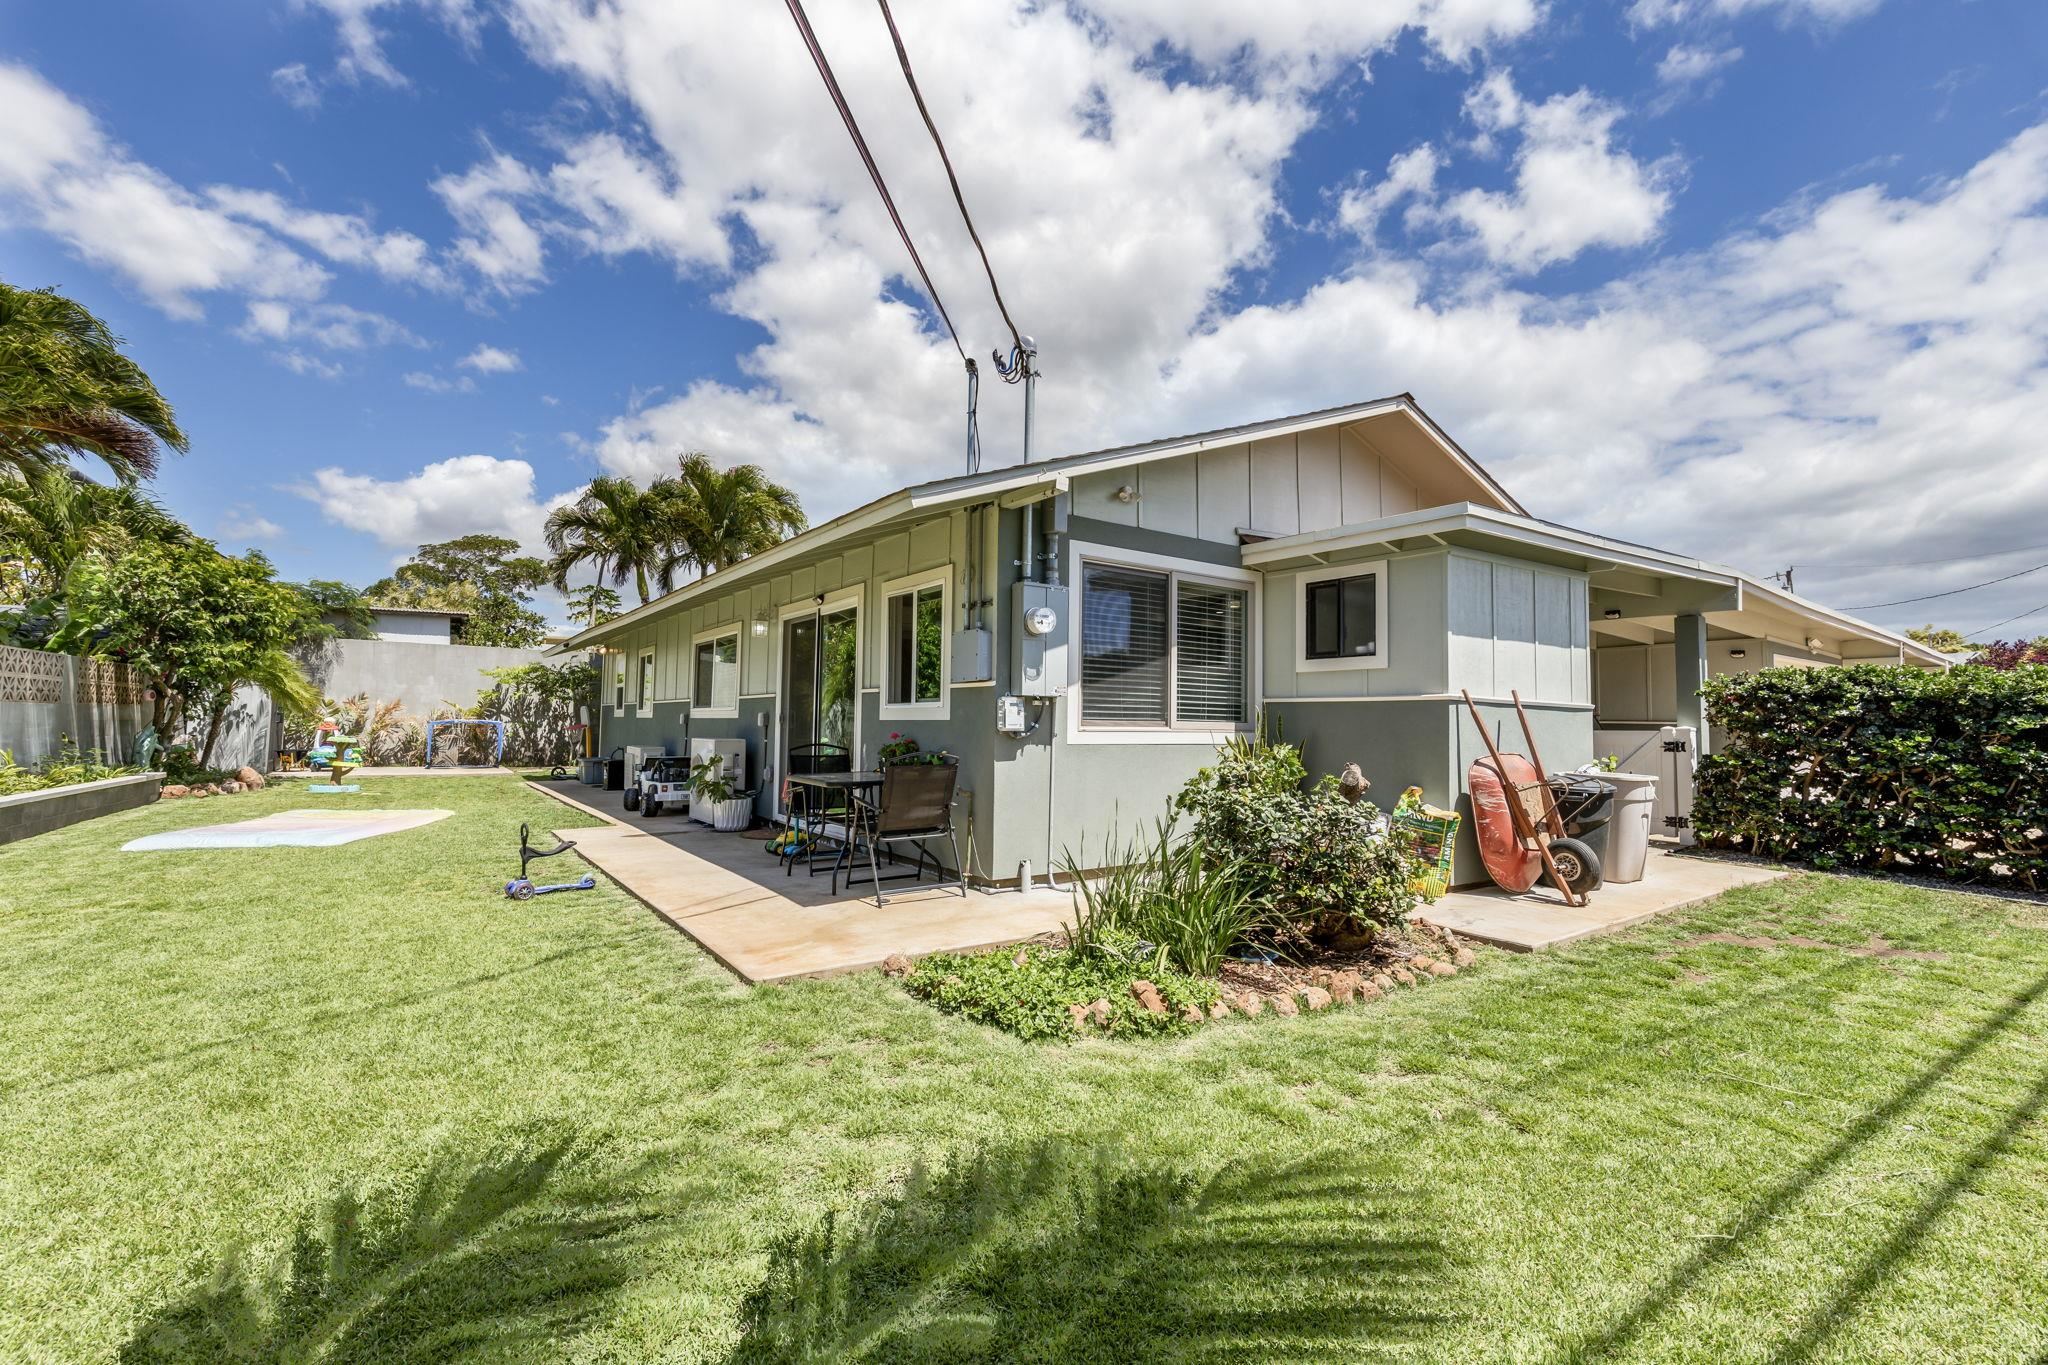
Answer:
(1628, 829)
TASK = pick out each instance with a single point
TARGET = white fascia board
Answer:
(1839, 622)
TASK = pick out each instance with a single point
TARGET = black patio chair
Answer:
(819, 803)
(915, 804)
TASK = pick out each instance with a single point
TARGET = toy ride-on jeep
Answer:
(663, 783)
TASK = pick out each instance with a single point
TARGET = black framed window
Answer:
(1343, 618)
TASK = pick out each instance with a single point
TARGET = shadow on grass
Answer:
(1054, 1253)
(473, 1253)
(1759, 1213)
(1822, 1322)
(318, 1019)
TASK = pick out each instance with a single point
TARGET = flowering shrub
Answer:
(1313, 858)
(1943, 774)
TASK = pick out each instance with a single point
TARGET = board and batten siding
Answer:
(925, 545)
(1281, 486)
(1518, 627)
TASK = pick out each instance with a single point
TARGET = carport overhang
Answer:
(1638, 593)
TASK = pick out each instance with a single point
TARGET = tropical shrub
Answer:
(1943, 774)
(1311, 859)
(65, 768)
(1027, 992)
(1163, 900)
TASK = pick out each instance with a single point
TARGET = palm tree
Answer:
(624, 530)
(732, 513)
(52, 517)
(66, 390)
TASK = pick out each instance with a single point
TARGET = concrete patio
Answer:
(729, 895)
(1538, 919)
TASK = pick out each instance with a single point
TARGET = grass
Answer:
(219, 1067)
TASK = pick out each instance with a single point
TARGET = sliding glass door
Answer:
(820, 682)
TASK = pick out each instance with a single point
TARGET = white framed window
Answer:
(1165, 650)
(715, 673)
(645, 696)
(618, 684)
(1340, 618)
(915, 647)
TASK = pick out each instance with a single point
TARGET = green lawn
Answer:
(1642, 1148)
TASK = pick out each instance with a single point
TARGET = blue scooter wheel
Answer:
(520, 890)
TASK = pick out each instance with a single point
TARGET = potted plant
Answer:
(714, 799)
(901, 748)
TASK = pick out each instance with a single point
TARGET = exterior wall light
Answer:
(761, 624)
(1612, 613)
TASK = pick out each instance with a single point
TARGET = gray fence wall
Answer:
(421, 677)
(47, 698)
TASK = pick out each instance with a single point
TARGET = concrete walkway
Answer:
(731, 896)
(1539, 919)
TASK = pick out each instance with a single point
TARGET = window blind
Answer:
(1123, 646)
(1209, 654)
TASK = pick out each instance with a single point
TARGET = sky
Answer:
(1760, 281)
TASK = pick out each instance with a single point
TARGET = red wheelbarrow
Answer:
(1516, 820)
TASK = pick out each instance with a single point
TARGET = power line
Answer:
(903, 59)
(1923, 563)
(803, 25)
(2034, 611)
(1952, 592)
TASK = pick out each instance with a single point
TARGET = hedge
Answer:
(1941, 774)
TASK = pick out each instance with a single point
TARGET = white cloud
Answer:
(625, 202)
(427, 382)
(1300, 37)
(295, 86)
(1410, 175)
(1686, 64)
(344, 238)
(454, 497)
(491, 360)
(362, 42)
(499, 243)
(298, 362)
(1661, 13)
(243, 523)
(1573, 189)
(335, 326)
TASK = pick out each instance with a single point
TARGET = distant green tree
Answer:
(484, 576)
(67, 390)
(593, 604)
(345, 611)
(623, 531)
(52, 518)
(729, 514)
(1939, 638)
(196, 624)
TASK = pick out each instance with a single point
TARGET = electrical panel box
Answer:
(974, 655)
(1010, 716)
(1039, 620)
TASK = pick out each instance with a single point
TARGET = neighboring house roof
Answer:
(448, 612)
(995, 483)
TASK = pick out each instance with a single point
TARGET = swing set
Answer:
(496, 727)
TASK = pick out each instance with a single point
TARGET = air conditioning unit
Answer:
(733, 751)
(637, 756)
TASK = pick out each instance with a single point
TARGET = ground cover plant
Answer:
(1940, 774)
(1801, 1122)
(63, 769)
(1030, 991)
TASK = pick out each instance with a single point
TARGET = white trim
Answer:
(618, 682)
(644, 670)
(939, 576)
(698, 706)
(1077, 732)
(1377, 569)
(1456, 697)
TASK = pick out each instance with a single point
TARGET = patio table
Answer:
(808, 793)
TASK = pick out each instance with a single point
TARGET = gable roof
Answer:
(937, 494)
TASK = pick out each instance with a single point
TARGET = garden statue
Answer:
(1352, 783)
(146, 746)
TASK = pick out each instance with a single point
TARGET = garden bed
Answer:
(25, 814)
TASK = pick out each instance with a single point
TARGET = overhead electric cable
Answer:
(903, 60)
(803, 25)
(2032, 611)
(1953, 592)
(1923, 563)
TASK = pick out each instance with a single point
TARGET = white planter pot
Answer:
(729, 816)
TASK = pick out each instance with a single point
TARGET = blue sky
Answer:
(1744, 278)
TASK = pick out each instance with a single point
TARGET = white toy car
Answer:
(663, 783)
